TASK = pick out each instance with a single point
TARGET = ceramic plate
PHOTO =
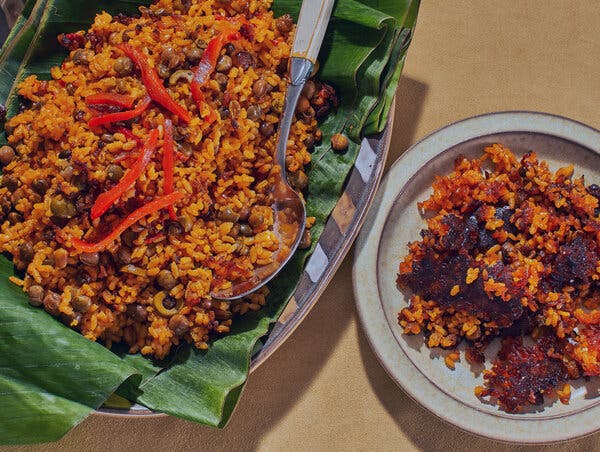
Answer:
(394, 221)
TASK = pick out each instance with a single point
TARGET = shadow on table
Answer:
(426, 431)
(410, 99)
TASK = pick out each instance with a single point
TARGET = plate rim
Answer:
(365, 262)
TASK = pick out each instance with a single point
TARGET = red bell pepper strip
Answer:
(108, 198)
(135, 216)
(208, 62)
(154, 85)
(130, 135)
(169, 163)
(122, 115)
(119, 100)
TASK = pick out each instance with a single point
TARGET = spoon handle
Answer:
(312, 24)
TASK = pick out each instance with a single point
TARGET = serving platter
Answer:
(395, 220)
(338, 236)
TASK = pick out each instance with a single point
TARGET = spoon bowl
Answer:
(289, 213)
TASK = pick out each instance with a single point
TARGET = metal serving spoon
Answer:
(289, 212)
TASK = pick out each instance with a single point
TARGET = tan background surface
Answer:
(324, 389)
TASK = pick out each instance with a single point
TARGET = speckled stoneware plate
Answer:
(394, 221)
(338, 236)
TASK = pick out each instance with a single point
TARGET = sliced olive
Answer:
(181, 74)
(166, 305)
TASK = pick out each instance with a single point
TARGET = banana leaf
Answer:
(50, 376)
